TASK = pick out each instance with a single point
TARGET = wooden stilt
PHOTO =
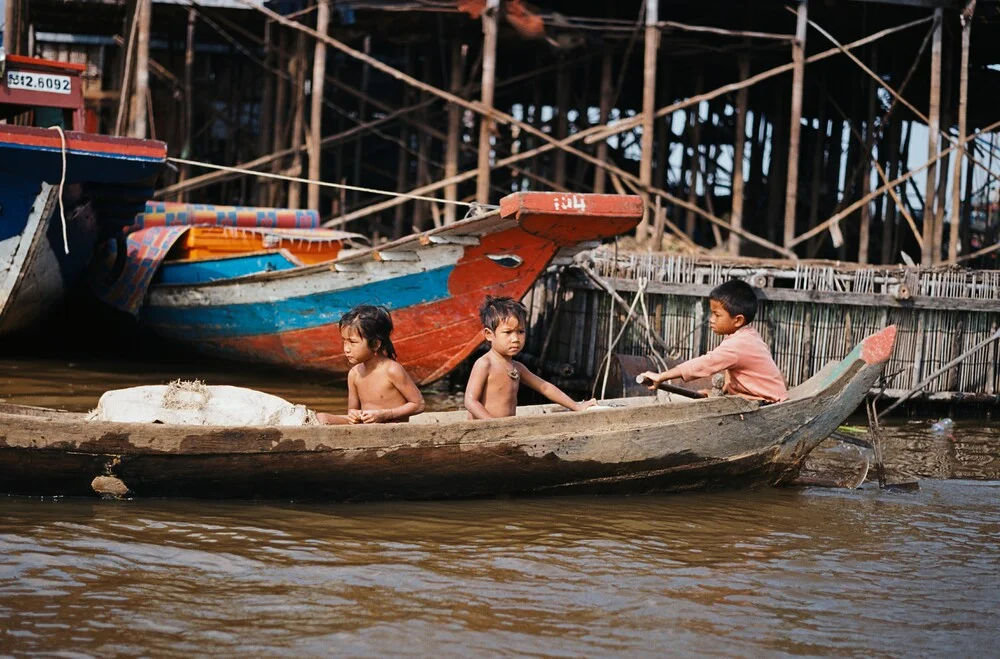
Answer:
(607, 60)
(421, 209)
(889, 214)
(694, 133)
(454, 128)
(795, 121)
(486, 98)
(963, 99)
(316, 109)
(279, 130)
(138, 126)
(185, 171)
(755, 191)
(652, 43)
(403, 160)
(864, 231)
(777, 172)
(12, 26)
(934, 116)
(817, 169)
(299, 91)
(563, 75)
(736, 215)
(362, 114)
(264, 133)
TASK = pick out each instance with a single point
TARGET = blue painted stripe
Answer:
(199, 272)
(82, 152)
(235, 320)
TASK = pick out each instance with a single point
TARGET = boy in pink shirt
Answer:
(743, 355)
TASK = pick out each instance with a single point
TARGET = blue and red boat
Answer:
(60, 188)
(260, 290)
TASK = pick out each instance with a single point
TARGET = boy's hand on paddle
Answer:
(653, 378)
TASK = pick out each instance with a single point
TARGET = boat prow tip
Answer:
(877, 348)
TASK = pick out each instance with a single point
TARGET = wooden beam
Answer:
(316, 111)
(607, 61)
(795, 122)
(298, 90)
(736, 215)
(185, 171)
(454, 129)
(963, 100)
(652, 44)
(486, 98)
(138, 126)
(934, 125)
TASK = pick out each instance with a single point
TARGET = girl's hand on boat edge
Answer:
(354, 416)
(586, 404)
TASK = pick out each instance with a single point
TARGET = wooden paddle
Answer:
(663, 386)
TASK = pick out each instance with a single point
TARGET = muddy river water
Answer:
(805, 571)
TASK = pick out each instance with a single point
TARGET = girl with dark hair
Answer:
(379, 390)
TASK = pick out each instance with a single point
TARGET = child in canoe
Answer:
(743, 355)
(379, 390)
(496, 377)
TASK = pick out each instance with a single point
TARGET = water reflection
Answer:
(807, 571)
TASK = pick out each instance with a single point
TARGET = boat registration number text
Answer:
(39, 82)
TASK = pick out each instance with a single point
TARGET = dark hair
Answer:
(374, 325)
(495, 310)
(737, 298)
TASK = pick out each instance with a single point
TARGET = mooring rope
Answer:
(62, 182)
(326, 184)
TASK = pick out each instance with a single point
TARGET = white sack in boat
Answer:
(197, 404)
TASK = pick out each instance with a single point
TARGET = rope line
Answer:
(325, 184)
(62, 182)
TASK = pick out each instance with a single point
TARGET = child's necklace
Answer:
(513, 373)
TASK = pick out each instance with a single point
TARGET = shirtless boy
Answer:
(495, 377)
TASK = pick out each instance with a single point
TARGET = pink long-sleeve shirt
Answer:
(751, 369)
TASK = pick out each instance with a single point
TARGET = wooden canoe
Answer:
(638, 445)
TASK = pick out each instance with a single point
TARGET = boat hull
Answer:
(103, 181)
(432, 283)
(636, 446)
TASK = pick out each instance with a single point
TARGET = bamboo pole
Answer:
(298, 88)
(881, 190)
(421, 209)
(563, 77)
(795, 122)
(486, 98)
(454, 129)
(316, 98)
(736, 215)
(363, 111)
(933, 127)
(819, 144)
(864, 231)
(279, 130)
(607, 61)
(12, 26)
(652, 44)
(963, 100)
(694, 137)
(264, 134)
(127, 79)
(749, 34)
(138, 126)
(185, 171)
